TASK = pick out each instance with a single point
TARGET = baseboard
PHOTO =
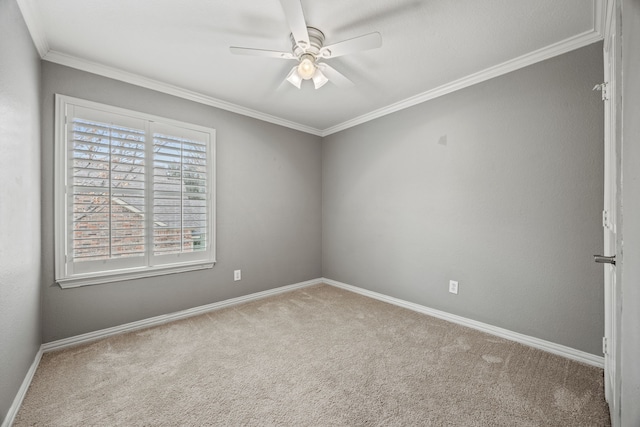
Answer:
(560, 350)
(22, 391)
(146, 323)
(165, 318)
(538, 343)
(548, 346)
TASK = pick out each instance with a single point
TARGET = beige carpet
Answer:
(319, 356)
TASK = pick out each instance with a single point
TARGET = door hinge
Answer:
(604, 89)
(604, 345)
(605, 219)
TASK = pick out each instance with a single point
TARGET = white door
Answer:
(609, 214)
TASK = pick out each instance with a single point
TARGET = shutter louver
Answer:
(180, 179)
(108, 190)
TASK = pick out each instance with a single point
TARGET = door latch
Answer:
(605, 259)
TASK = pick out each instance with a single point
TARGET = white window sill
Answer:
(131, 274)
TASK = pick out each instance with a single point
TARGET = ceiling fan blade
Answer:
(295, 18)
(335, 76)
(357, 44)
(261, 52)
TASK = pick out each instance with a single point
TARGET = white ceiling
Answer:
(430, 47)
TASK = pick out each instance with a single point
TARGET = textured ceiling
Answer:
(427, 44)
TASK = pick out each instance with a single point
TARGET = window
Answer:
(134, 194)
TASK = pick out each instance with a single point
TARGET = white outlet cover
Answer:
(453, 287)
(237, 275)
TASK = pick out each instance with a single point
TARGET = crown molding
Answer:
(138, 80)
(572, 43)
(36, 29)
(473, 79)
(34, 25)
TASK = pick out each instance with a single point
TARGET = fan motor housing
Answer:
(316, 41)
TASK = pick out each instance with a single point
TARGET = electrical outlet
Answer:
(237, 275)
(453, 287)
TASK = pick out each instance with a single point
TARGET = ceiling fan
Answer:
(307, 47)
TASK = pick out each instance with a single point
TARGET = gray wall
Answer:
(498, 186)
(19, 203)
(629, 368)
(268, 212)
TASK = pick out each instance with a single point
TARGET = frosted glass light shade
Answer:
(306, 68)
(294, 78)
(319, 79)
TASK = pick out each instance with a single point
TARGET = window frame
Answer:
(64, 274)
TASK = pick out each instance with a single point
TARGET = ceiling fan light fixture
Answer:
(319, 79)
(307, 47)
(294, 78)
(307, 66)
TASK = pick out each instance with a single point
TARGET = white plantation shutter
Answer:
(134, 194)
(107, 176)
(180, 192)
